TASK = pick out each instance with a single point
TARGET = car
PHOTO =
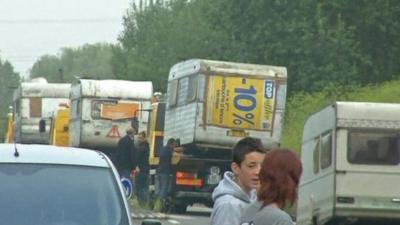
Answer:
(50, 185)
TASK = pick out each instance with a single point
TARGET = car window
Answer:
(59, 195)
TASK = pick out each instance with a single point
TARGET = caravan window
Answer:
(35, 107)
(326, 150)
(373, 147)
(172, 93)
(316, 155)
(192, 89)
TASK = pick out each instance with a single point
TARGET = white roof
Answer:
(50, 154)
(46, 90)
(223, 68)
(140, 90)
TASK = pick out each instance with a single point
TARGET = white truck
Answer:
(350, 155)
(102, 110)
(210, 106)
(34, 102)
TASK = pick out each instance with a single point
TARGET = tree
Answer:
(8, 81)
(89, 61)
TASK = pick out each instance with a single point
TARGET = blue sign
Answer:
(128, 187)
(269, 89)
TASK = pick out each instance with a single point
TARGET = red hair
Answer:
(279, 177)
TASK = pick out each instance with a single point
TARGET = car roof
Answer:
(50, 154)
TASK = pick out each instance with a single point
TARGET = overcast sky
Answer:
(31, 28)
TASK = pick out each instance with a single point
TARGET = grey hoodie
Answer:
(255, 214)
(229, 201)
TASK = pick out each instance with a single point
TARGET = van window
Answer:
(316, 155)
(326, 151)
(373, 147)
(172, 93)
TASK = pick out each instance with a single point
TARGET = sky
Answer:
(32, 28)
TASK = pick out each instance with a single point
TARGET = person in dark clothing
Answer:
(165, 169)
(125, 159)
(142, 178)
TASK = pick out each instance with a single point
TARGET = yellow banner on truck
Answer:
(240, 102)
(119, 111)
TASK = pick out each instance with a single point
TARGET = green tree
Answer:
(8, 81)
(322, 43)
(89, 61)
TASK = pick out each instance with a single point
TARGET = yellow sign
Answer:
(119, 111)
(240, 103)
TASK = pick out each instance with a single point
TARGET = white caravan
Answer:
(102, 110)
(350, 154)
(33, 102)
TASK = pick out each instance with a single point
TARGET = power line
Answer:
(68, 20)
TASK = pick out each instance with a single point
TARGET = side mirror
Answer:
(42, 126)
(151, 222)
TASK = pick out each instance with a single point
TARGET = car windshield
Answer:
(59, 195)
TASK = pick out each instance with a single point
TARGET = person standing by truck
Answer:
(279, 180)
(165, 170)
(237, 189)
(142, 178)
(125, 158)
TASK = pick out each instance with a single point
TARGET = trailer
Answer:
(350, 155)
(34, 103)
(102, 110)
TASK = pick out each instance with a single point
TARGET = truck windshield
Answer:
(374, 147)
(59, 195)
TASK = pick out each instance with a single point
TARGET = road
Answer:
(196, 215)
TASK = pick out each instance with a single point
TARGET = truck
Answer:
(210, 105)
(102, 110)
(34, 104)
(350, 155)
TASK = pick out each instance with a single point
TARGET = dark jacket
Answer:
(165, 160)
(126, 154)
(143, 153)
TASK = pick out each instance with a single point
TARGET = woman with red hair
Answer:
(279, 179)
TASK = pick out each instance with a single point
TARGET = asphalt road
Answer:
(196, 215)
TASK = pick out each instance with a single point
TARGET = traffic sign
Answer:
(128, 187)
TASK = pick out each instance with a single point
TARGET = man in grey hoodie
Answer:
(237, 188)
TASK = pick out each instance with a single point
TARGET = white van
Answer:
(350, 154)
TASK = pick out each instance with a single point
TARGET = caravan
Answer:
(36, 102)
(350, 154)
(102, 110)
